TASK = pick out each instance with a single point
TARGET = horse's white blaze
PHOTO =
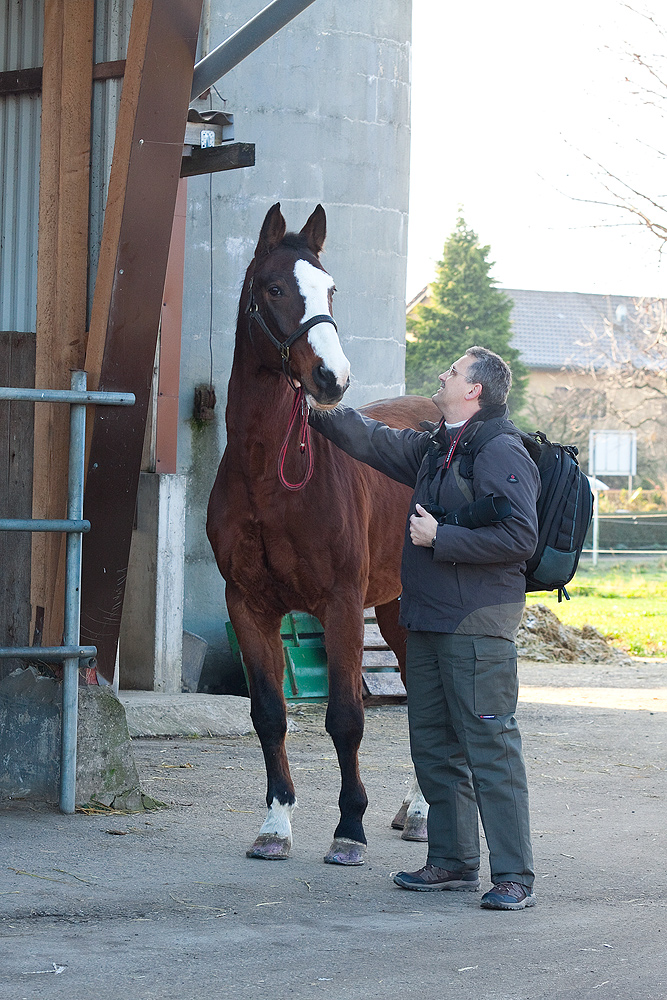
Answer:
(279, 820)
(314, 285)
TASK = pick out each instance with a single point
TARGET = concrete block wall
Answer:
(327, 104)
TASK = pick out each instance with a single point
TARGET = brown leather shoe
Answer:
(430, 878)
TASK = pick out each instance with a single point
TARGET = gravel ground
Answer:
(165, 904)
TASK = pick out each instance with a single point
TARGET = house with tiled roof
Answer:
(556, 330)
(568, 340)
(563, 330)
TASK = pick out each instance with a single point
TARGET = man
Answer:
(462, 601)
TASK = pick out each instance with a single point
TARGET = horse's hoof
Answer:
(415, 829)
(345, 852)
(398, 822)
(269, 847)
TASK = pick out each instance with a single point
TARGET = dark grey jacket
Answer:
(472, 581)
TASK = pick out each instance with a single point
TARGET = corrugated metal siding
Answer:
(112, 30)
(21, 30)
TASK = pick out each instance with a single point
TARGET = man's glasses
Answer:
(454, 371)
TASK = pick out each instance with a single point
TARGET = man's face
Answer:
(454, 388)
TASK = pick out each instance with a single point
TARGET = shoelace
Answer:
(431, 873)
(510, 889)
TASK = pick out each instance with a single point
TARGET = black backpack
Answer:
(564, 507)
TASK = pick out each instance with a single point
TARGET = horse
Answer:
(297, 525)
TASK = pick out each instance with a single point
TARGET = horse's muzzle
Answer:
(328, 390)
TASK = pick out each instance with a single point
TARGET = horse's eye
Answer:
(275, 291)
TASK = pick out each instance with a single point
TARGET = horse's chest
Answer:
(288, 546)
(272, 555)
(287, 550)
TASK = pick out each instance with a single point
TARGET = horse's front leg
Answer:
(344, 636)
(261, 646)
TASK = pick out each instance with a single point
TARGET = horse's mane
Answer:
(295, 241)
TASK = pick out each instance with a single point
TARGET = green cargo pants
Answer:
(466, 748)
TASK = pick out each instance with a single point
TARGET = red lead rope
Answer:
(299, 406)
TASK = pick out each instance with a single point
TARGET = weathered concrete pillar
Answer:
(151, 635)
(30, 707)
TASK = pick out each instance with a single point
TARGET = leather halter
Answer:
(283, 347)
(300, 406)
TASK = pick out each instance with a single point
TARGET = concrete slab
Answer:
(166, 906)
(150, 713)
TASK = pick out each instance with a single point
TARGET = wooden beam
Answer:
(166, 436)
(109, 70)
(62, 262)
(128, 295)
(29, 81)
(17, 368)
(230, 156)
(21, 81)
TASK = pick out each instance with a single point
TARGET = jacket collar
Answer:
(439, 431)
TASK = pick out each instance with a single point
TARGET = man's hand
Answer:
(423, 527)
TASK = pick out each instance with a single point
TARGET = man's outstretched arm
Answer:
(396, 453)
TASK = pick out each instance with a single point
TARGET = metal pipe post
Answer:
(244, 41)
(47, 654)
(77, 454)
(37, 524)
(66, 396)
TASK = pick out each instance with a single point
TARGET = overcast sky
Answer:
(507, 99)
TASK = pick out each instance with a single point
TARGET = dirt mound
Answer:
(542, 636)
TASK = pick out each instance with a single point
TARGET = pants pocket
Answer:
(496, 681)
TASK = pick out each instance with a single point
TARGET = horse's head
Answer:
(289, 297)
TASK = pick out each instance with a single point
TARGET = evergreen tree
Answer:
(466, 309)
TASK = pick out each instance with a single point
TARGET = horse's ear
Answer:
(272, 232)
(315, 230)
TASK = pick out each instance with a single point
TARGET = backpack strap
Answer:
(434, 452)
(479, 434)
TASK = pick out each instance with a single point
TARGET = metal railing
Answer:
(71, 653)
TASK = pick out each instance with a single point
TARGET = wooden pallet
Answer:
(306, 677)
(380, 673)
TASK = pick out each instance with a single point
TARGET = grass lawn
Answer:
(625, 601)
